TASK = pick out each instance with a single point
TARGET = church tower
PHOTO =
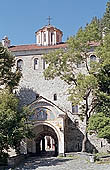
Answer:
(48, 35)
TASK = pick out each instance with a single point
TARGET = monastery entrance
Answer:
(48, 128)
(46, 141)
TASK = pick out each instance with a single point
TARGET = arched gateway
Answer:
(46, 140)
(48, 128)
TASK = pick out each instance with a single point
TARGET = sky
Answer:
(20, 19)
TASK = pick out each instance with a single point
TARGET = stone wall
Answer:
(33, 82)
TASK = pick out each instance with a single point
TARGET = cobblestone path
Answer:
(61, 164)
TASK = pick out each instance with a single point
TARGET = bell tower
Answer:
(48, 35)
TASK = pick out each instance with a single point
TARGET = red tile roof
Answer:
(35, 47)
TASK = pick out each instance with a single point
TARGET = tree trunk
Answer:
(85, 134)
(84, 142)
(86, 123)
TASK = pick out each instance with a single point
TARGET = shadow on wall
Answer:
(74, 138)
(27, 96)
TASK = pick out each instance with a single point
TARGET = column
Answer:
(51, 141)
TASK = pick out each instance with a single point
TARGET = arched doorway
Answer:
(45, 141)
(48, 123)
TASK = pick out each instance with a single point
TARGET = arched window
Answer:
(39, 39)
(92, 58)
(43, 63)
(55, 97)
(74, 108)
(44, 37)
(36, 63)
(20, 64)
(52, 38)
(58, 38)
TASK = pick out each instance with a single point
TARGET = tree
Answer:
(13, 122)
(100, 121)
(105, 21)
(9, 78)
(13, 119)
(64, 65)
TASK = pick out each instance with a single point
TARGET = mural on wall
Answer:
(42, 113)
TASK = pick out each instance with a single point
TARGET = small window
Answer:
(55, 97)
(36, 63)
(58, 38)
(92, 58)
(75, 109)
(52, 37)
(44, 37)
(20, 65)
(39, 39)
(44, 64)
(79, 65)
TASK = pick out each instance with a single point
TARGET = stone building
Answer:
(56, 123)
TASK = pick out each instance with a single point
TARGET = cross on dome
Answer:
(49, 18)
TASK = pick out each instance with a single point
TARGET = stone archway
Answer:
(47, 120)
(42, 141)
(39, 144)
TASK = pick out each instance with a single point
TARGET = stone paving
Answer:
(61, 164)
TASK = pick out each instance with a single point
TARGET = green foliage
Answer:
(105, 21)
(103, 51)
(8, 77)
(13, 122)
(86, 84)
(89, 88)
(100, 122)
(63, 64)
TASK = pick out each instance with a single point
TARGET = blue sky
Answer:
(20, 19)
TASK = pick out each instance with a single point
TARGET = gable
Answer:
(44, 110)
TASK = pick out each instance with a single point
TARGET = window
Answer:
(20, 65)
(44, 64)
(44, 37)
(52, 37)
(92, 58)
(39, 39)
(58, 38)
(55, 97)
(79, 65)
(74, 108)
(36, 63)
